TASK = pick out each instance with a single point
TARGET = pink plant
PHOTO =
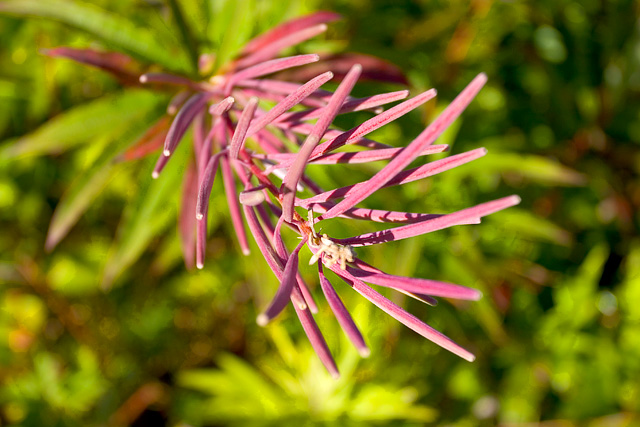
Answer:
(251, 146)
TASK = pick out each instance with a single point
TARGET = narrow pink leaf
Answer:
(290, 101)
(306, 294)
(291, 179)
(283, 295)
(354, 104)
(178, 101)
(330, 134)
(420, 286)
(376, 122)
(222, 106)
(202, 208)
(253, 196)
(151, 141)
(371, 155)
(417, 296)
(300, 294)
(160, 164)
(234, 204)
(240, 133)
(435, 224)
(183, 119)
(373, 68)
(187, 219)
(206, 184)
(269, 67)
(378, 215)
(273, 259)
(317, 341)
(272, 49)
(351, 157)
(427, 137)
(125, 68)
(403, 317)
(286, 28)
(342, 315)
(404, 177)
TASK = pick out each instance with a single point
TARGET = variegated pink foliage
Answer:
(251, 145)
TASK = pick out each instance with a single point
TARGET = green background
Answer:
(109, 328)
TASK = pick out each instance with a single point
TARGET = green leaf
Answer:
(153, 211)
(527, 224)
(536, 168)
(114, 30)
(81, 124)
(88, 185)
(231, 27)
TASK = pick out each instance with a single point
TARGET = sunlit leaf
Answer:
(83, 123)
(114, 30)
(152, 212)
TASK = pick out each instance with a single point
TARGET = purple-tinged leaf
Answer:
(253, 196)
(291, 179)
(317, 99)
(272, 49)
(404, 177)
(331, 134)
(202, 208)
(206, 184)
(373, 68)
(402, 316)
(317, 341)
(354, 104)
(178, 101)
(174, 80)
(419, 286)
(290, 101)
(160, 164)
(186, 217)
(234, 204)
(375, 122)
(273, 259)
(306, 294)
(283, 295)
(301, 290)
(342, 314)
(427, 137)
(240, 133)
(350, 157)
(149, 142)
(183, 119)
(123, 67)
(417, 296)
(378, 215)
(269, 67)
(286, 28)
(222, 107)
(268, 142)
(199, 131)
(431, 225)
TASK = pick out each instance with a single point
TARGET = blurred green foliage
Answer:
(110, 329)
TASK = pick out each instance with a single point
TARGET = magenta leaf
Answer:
(342, 315)
(240, 133)
(404, 177)
(296, 170)
(403, 317)
(427, 137)
(290, 101)
(283, 295)
(292, 26)
(430, 225)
